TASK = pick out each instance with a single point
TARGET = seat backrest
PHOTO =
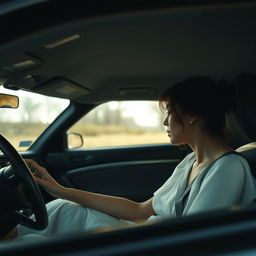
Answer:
(249, 152)
(242, 120)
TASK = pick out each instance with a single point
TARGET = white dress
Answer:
(222, 184)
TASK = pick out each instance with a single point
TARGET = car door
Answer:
(133, 172)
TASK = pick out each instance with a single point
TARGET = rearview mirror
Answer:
(8, 101)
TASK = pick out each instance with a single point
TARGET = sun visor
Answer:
(62, 88)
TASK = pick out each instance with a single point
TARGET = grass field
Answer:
(125, 139)
(93, 135)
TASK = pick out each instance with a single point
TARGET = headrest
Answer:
(244, 112)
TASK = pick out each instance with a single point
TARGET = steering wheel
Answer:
(19, 173)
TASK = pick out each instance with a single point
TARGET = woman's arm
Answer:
(117, 207)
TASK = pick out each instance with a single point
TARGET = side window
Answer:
(122, 124)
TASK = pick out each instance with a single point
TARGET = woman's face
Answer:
(175, 127)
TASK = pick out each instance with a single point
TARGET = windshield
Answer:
(22, 126)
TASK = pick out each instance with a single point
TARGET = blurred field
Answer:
(94, 136)
(125, 139)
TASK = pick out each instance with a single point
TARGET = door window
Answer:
(122, 124)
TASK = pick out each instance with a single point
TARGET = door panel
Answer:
(136, 180)
(131, 172)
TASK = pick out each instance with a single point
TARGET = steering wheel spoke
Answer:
(23, 219)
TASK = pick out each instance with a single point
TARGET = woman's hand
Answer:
(43, 178)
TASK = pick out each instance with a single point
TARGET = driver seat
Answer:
(241, 122)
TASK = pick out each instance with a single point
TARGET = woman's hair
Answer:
(203, 97)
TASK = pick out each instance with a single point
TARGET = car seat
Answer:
(241, 121)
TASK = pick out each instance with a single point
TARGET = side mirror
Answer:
(74, 140)
(8, 101)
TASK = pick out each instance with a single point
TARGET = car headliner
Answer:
(125, 54)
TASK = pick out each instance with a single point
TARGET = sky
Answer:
(140, 110)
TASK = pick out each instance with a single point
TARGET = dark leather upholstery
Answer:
(242, 120)
(245, 100)
(249, 152)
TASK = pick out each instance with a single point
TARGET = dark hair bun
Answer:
(226, 95)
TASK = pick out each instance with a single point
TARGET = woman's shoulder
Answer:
(189, 157)
(179, 169)
(232, 157)
(234, 162)
(187, 160)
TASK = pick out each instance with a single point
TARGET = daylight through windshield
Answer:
(35, 112)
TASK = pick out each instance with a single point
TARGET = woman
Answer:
(211, 177)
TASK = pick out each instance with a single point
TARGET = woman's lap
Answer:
(67, 217)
